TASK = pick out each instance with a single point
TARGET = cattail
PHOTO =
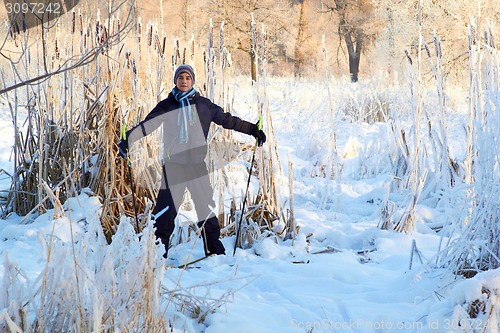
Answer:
(177, 52)
(73, 22)
(139, 30)
(23, 20)
(192, 46)
(134, 68)
(408, 56)
(104, 35)
(437, 46)
(157, 43)
(164, 45)
(488, 35)
(44, 44)
(80, 16)
(89, 36)
(150, 35)
(127, 57)
(96, 31)
(427, 49)
(491, 38)
(16, 29)
(472, 35)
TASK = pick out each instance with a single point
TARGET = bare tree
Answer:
(300, 55)
(357, 27)
(237, 17)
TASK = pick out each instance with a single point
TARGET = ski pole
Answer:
(238, 231)
(124, 137)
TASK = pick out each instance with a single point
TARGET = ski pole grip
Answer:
(124, 132)
(259, 123)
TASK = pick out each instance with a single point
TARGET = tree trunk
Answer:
(354, 52)
(298, 54)
(253, 65)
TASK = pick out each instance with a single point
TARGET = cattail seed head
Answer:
(104, 35)
(437, 46)
(73, 22)
(80, 16)
(408, 57)
(427, 50)
(139, 30)
(150, 35)
(192, 46)
(134, 69)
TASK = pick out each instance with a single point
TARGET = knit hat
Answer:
(184, 69)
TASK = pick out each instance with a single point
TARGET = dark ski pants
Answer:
(176, 178)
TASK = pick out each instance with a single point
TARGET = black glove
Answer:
(123, 148)
(259, 135)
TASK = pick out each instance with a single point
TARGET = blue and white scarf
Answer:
(185, 117)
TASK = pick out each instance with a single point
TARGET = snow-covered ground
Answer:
(341, 274)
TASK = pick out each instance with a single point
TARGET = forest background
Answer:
(372, 37)
(376, 33)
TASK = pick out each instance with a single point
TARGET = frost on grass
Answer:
(84, 283)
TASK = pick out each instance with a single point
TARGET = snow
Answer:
(342, 273)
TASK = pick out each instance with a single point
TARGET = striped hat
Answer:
(184, 69)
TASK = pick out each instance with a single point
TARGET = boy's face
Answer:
(184, 82)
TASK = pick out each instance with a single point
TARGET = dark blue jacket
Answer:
(164, 117)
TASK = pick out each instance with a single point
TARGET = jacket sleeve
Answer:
(145, 127)
(228, 121)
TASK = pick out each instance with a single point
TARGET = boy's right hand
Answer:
(123, 148)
